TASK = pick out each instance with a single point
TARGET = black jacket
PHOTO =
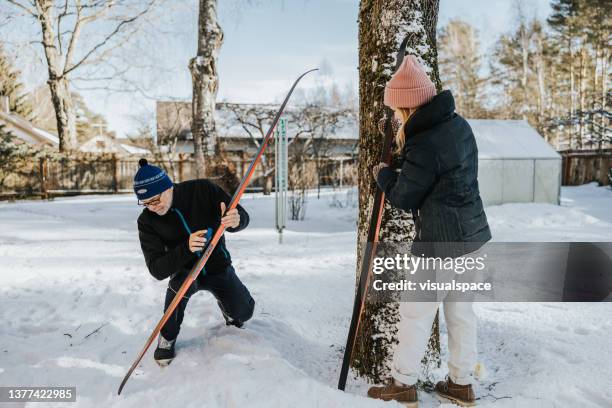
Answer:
(439, 178)
(164, 239)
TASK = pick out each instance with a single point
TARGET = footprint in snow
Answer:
(582, 330)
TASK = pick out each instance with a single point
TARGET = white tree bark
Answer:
(205, 84)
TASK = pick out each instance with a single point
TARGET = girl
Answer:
(438, 183)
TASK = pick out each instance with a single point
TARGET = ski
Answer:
(370, 250)
(215, 238)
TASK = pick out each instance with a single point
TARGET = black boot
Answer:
(164, 353)
(228, 319)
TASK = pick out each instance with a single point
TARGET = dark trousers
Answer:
(226, 287)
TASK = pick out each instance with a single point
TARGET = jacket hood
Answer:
(440, 109)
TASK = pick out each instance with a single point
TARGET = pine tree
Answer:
(88, 123)
(11, 86)
(15, 156)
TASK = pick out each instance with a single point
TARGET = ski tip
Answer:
(308, 72)
(121, 386)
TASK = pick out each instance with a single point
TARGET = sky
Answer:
(267, 44)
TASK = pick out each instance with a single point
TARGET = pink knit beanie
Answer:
(409, 87)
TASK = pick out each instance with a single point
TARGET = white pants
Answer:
(414, 332)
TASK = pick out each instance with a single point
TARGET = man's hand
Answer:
(377, 169)
(231, 219)
(197, 240)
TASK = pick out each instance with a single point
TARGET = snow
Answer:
(510, 139)
(134, 149)
(46, 135)
(107, 144)
(77, 304)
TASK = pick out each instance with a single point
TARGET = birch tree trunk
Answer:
(582, 97)
(382, 26)
(205, 83)
(525, 69)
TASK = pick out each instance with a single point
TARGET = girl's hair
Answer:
(400, 136)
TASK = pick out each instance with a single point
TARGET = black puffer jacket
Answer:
(165, 241)
(438, 179)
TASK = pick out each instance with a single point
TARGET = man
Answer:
(172, 230)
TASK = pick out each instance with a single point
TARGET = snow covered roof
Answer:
(26, 131)
(510, 139)
(134, 149)
(106, 144)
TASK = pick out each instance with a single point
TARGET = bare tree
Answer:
(205, 83)
(382, 26)
(460, 66)
(318, 124)
(302, 176)
(61, 29)
(255, 119)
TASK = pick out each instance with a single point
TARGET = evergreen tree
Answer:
(11, 86)
(88, 123)
(15, 156)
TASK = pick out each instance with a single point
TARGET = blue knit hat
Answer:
(150, 181)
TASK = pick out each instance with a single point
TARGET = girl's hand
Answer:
(376, 169)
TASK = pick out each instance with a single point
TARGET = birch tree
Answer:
(205, 83)
(382, 26)
(63, 25)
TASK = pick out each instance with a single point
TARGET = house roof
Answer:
(510, 139)
(26, 131)
(106, 144)
(134, 149)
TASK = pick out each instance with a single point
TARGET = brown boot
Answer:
(405, 394)
(462, 395)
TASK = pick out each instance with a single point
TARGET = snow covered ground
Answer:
(77, 304)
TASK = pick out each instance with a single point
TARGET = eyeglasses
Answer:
(150, 203)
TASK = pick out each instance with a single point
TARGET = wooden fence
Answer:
(108, 174)
(585, 166)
